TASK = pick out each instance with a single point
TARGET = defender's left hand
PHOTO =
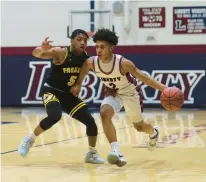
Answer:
(75, 89)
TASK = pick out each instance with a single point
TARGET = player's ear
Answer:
(112, 47)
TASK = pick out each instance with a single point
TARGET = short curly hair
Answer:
(106, 35)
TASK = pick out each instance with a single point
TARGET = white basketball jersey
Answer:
(126, 84)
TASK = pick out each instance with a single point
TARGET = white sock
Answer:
(154, 134)
(115, 146)
(33, 136)
(92, 149)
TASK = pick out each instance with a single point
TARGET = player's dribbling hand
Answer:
(75, 89)
(46, 44)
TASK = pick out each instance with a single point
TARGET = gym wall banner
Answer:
(189, 20)
(152, 17)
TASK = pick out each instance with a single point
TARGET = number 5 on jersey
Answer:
(71, 80)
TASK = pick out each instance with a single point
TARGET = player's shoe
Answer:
(153, 141)
(93, 157)
(115, 157)
(25, 146)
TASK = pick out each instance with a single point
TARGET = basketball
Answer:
(172, 98)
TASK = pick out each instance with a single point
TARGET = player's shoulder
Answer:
(93, 58)
(119, 57)
(62, 53)
(85, 56)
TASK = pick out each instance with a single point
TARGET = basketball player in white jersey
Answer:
(119, 74)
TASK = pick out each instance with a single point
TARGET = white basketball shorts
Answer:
(131, 105)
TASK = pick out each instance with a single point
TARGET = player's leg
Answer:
(134, 109)
(109, 107)
(153, 132)
(86, 118)
(106, 113)
(78, 110)
(54, 113)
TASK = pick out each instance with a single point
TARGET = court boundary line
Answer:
(51, 143)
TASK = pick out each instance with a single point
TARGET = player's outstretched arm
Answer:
(88, 64)
(128, 66)
(46, 51)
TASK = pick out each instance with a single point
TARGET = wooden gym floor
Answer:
(58, 153)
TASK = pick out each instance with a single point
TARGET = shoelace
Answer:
(27, 144)
(119, 153)
(95, 155)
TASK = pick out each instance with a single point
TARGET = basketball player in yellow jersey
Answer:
(67, 63)
(120, 74)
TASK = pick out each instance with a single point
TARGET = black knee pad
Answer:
(86, 118)
(54, 113)
(91, 127)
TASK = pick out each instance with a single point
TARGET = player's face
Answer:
(79, 43)
(103, 49)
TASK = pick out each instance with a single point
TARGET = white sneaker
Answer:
(153, 141)
(117, 158)
(94, 158)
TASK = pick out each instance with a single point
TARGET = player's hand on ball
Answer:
(46, 44)
(109, 91)
(75, 89)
